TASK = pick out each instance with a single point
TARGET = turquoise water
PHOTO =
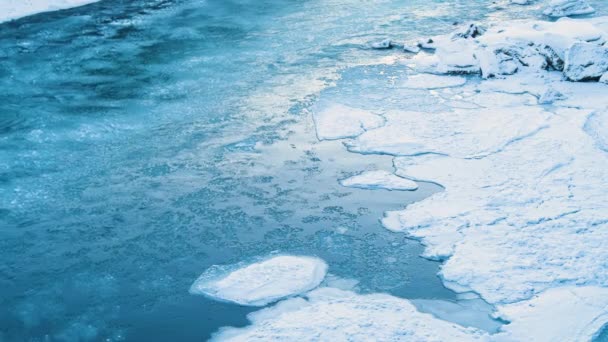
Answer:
(143, 141)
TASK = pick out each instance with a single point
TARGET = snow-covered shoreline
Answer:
(523, 220)
(15, 9)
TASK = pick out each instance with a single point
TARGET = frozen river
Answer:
(142, 142)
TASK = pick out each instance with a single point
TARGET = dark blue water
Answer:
(143, 141)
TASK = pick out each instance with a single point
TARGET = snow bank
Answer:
(337, 121)
(14, 9)
(379, 180)
(261, 282)
(575, 46)
(336, 315)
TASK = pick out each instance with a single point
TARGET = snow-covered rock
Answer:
(261, 282)
(522, 46)
(520, 2)
(329, 314)
(604, 78)
(14, 9)
(337, 121)
(586, 61)
(564, 8)
(379, 180)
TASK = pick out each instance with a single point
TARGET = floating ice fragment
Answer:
(430, 81)
(337, 121)
(379, 180)
(261, 282)
(564, 8)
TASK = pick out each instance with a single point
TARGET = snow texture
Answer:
(379, 180)
(15, 9)
(261, 282)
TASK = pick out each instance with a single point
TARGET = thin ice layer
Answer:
(379, 180)
(457, 132)
(338, 121)
(335, 315)
(14, 9)
(261, 282)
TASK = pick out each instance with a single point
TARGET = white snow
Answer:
(379, 180)
(14, 9)
(563, 8)
(338, 121)
(335, 315)
(261, 282)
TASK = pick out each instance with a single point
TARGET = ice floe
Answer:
(564, 8)
(261, 282)
(379, 180)
(338, 121)
(329, 314)
(14, 9)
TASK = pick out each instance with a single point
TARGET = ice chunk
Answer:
(384, 44)
(336, 315)
(564, 8)
(549, 96)
(586, 61)
(261, 282)
(429, 81)
(604, 78)
(379, 180)
(337, 121)
(14, 9)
